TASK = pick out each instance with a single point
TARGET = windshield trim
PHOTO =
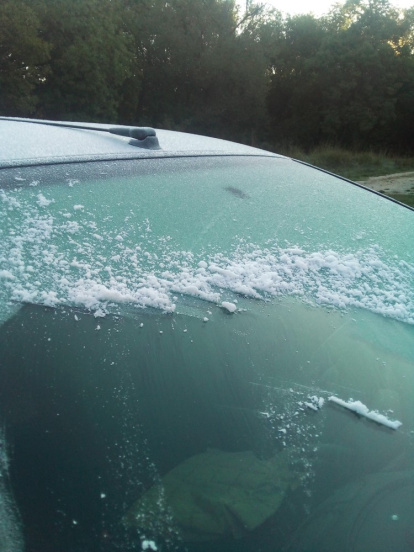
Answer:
(154, 154)
(157, 154)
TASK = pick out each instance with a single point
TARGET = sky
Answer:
(318, 7)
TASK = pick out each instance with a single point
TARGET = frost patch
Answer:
(315, 403)
(359, 408)
(6, 275)
(46, 258)
(42, 201)
(230, 307)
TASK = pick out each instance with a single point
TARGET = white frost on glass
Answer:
(148, 545)
(88, 262)
(6, 275)
(359, 408)
(230, 307)
(314, 402)
(42, 201)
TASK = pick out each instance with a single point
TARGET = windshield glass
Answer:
(141, 233)
(204, 354)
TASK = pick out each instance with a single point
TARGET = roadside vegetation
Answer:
(355, 165)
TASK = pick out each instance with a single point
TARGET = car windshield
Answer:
(204, 353)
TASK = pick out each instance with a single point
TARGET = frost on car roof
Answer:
(180, 231)
(25, 142)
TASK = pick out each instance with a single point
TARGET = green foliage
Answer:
(193, 69)
(346, 78)
(24, 57)
(356, 165)
(90, 60)
(207, 67)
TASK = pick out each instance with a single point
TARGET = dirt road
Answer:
(400, 183)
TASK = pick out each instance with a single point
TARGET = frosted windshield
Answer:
(204, 354)
(155, 234)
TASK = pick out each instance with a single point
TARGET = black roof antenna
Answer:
(141, 137)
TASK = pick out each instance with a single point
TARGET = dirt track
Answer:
(400, 183)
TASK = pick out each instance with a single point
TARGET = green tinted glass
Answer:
(205, 228)
(205, 354)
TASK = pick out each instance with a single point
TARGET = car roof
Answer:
(33, 142)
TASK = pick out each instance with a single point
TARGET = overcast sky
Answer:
(318, 7)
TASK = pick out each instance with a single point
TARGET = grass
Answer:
(356, 165)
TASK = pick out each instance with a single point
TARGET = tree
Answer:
(24, 58)
(344, 79)
(206, 67)
(195, 68)
(365, 66)
(89, 62)
(294, 99)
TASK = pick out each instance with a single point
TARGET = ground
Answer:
(399, 186)
(399, 183)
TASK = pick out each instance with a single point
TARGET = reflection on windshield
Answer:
(164, 432)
